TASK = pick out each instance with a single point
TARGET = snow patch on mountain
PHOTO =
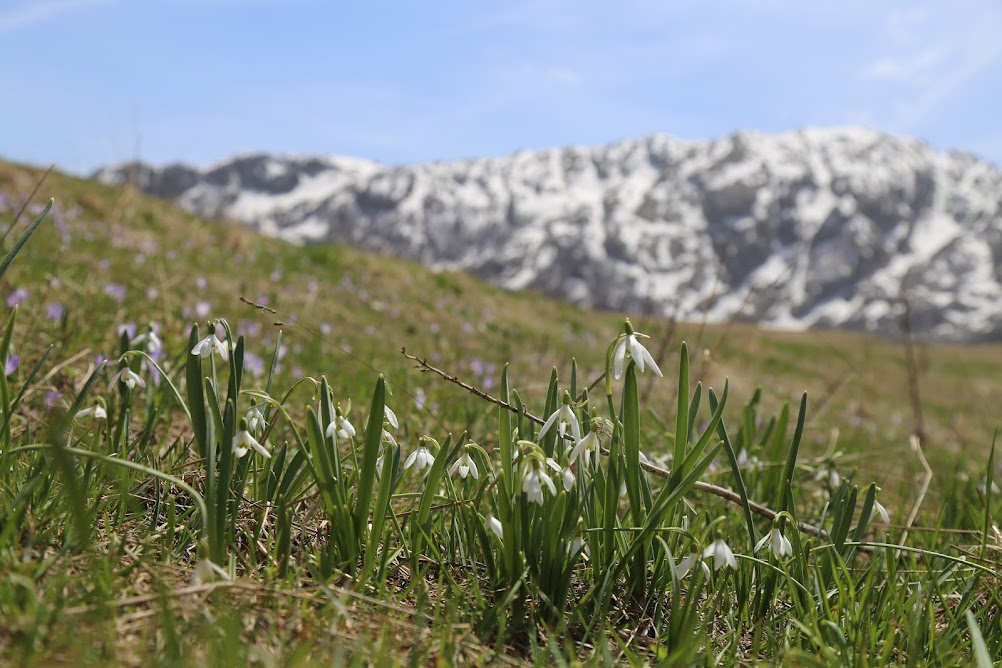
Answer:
(823, 227)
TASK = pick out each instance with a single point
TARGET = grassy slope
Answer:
(374, 306)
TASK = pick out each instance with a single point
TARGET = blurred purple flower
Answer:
(420, 398)
(276, 276)
(55, 311)
(52, 399)
(127, 328)
(13, 362)
(253, 364)
(325, 328)
(104, 264)
(152, 293)
(16, 297)
(202, 309)
(200, 282)
(116, 291)
(100, 359)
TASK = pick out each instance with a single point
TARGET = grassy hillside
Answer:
(108, 259)
(175, 269)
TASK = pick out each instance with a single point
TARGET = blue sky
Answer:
(88, 82)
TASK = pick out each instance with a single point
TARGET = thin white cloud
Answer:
(906, 69)
(32, 13)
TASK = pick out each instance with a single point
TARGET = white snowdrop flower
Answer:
(129, 377)
(150, 338)
(255, 420)
(584, 448)
(465, 466)
(96, 411)
(688, 564)
(420, 458)
(341, 427)
(388, 438)
(495, 525)
(568, 479)
(561, 417)
(777, 541)
(879, 509)
(391, 417)
(210, 344)
(206, 571)
(722, 555)
(533, 480)
(244, 438)
(578, 546)
(628, 343)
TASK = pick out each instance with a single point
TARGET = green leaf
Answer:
(370, 453)
(784, 497)
(682, 428)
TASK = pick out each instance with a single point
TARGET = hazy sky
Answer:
(87, 82)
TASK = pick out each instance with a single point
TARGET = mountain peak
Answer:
(818, 227)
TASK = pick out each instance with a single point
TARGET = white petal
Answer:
(455, 467)
(331, 429)
(391, 417)
(549, 423)
(763, 542)
(549, 483)
(410, 459)
(650, 360)
(618, 358)
(474, 471)
(568, 479)
(784, 546)
(637, 352)
(494, 525)
(880, 510)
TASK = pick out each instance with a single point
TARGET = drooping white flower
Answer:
(96, 411)
(421, 458)
(722, 555)
(495, 525)
(531, 479)
(341, 427)
(255, 420)
(391, 417)
(688, 564)
(150, 338)
(568, 479)
(210, 344)
(129, 377)
(244, 438)
(465, 466)
(879, 509)
(562, 417)
(628, 343)
(777, 541)
(584, 448)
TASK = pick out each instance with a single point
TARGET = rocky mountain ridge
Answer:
(811, 228)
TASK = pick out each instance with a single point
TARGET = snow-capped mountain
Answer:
(813, 228)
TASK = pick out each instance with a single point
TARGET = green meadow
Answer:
(217, 447)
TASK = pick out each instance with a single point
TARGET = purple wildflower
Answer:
(202, 309)
(13, 362)
(16, 297)
(55, 311)
(116, 291)
(253, 364)
(52, 399)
